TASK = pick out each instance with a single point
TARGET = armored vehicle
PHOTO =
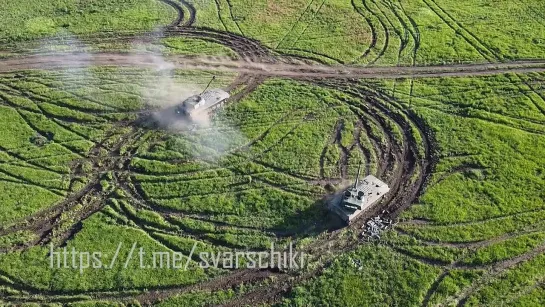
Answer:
(207, 101)
(359, 197)
(192, 111)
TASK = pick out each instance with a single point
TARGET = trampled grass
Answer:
(256, 175)
(476, 215)
(216, 191)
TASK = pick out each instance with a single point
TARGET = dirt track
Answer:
(270, 66)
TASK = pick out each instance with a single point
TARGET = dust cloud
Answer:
(161, 91)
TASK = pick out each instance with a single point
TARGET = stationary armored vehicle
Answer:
(359, 197)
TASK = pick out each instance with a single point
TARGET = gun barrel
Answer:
(357, 177)
(208, 85)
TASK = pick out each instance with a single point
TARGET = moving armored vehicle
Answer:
(193, 110)
(206, 101)
(359, 197)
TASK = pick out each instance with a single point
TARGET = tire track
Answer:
(385, 31)
(295, 24)
(313, 55)
(233, 17)
(403, 38)
(218, 8)
(457, 28)
(496, 270)
(308, 24)
(192, 13)
(371, 27)
(259, 61)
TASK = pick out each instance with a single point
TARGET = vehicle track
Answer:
(294, 24)
(179, 10)
(308, 24)
(384, 30)
(403, 37)
(192, 13)
(270, 65)
(458, 28)
(181, 18)
(218, 9)
(401, 196)
(230, 5)
(371, 27)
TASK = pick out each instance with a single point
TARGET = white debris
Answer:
(375, 226)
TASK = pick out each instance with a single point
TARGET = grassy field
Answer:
(475, 215)
(215, 189)
(377, 32)
(477, 230)
(81, 165)
(364, 278)
(39, 19)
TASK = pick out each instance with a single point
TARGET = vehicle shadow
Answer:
(311, 222)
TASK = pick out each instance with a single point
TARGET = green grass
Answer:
(454, 282)
(480, 207)
(407, 32)
(481, 230)
(511, 285)
(30, 19)
(494, 29)
(474, 234)
(33, 265)
(22, 199)
(506, 249)
(369, 283)
(16, 238)
(481, 138)
(411, 246)
(187, 46)
(534, 297)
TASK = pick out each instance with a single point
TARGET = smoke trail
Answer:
(73, 51)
